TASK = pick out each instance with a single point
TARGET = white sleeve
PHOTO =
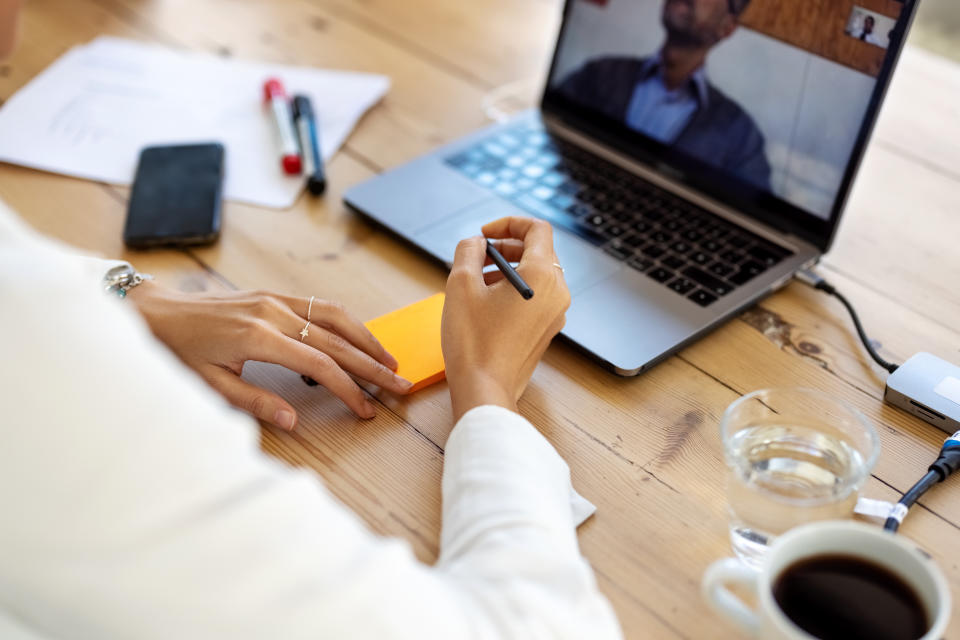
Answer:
(137, 504)
(15, 233)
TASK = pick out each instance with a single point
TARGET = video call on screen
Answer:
(771, 92)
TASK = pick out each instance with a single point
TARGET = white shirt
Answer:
(135, 503)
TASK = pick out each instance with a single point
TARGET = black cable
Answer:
(889, 366)
(817, 282)
(940, 470)
(911, 496)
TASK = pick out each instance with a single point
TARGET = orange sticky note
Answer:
(412, 335)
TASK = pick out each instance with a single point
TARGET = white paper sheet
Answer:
(91, 112)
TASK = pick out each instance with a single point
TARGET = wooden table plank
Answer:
(899, 236)
(382, 468)
(458, 35)
(49, 28)
(921, 116)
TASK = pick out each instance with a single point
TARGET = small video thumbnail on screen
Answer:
(771, 92)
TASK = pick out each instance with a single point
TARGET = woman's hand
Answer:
(493, 338)
(215, 334)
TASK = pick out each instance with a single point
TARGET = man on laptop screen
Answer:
(669, 97)
(769, 94)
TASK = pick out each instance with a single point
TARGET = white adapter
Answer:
(928, 388)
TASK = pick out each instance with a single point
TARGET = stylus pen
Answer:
(509, 272)
(306, 122)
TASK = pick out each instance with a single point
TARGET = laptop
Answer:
(691, 156)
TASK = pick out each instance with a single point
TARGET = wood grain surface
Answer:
(646, 450)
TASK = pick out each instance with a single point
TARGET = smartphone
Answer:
(176, 198)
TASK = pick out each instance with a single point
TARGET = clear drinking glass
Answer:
(795, 456)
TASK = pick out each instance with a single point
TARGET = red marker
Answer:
(274, 94)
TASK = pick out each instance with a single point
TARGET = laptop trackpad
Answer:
(583, 264)
(631, 320)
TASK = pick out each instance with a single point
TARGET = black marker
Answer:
(509, 272)
(306, 124)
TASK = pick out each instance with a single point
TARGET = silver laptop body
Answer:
(633, 306)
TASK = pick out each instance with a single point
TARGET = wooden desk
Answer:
(645, 450)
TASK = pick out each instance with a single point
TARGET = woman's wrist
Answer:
(144, 290)
(477, 389)
(161, 308)
(144, 296)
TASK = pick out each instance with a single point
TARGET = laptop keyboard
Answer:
(685, 248)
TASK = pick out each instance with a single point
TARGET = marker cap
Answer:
(292, 164)
(273, 88)
(302, 107)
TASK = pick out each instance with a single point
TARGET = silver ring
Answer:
(306, 328)
(557, 265)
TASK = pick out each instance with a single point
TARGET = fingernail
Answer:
(368, 410)
(284, 419)
(403, 383)
(392, 362)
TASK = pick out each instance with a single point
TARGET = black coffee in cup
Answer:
(842, 597)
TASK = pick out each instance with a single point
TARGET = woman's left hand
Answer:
(216, 333)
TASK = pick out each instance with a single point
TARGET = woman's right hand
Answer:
(493, 338)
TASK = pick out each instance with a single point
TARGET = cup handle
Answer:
(731, 571)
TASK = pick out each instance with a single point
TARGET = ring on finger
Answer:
(306, 328)
(557, 265)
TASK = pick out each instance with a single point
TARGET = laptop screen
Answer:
(760, 101)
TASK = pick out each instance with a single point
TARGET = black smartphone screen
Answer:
(176, 196)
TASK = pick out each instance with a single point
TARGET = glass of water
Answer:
(795, 456)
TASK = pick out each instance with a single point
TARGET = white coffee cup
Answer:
(768, 621)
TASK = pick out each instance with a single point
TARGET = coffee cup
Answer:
(834, 579)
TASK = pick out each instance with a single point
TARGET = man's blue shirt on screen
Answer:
(697, 119)
(660, 112)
